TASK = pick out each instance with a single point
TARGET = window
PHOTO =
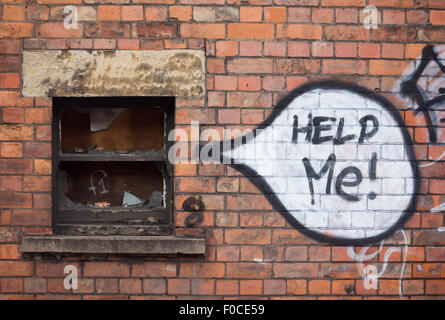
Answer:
(111, 173)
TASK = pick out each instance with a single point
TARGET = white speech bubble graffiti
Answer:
(336, 161)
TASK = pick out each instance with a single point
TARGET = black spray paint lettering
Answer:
(196, 206)
(315, 126)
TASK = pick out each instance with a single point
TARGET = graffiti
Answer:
(93, 187)
(422, 83)
(195, 218)
(370, 272)
(371, 19)
(346, 176)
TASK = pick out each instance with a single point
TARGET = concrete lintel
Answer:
(112, 244)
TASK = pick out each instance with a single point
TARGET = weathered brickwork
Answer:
(256, 52)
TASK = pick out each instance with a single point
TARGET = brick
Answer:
(249, 270)
(319, 287)
(227, 287)
(296, 287)
(298, 49)
(435, 254)
(37, 149)
(249, 83)
(275, 48)
(108, 13)
(346, 15)
(11, 285)
(369, 50)
(57, 30)
(226, 48)
(36, 183)
(15, 200)
(10, 252)
(107, 30)
(11, 183)
(9, 81)
(226, 219)
(35, 285)
(413, 287)
(203, 286)
(343, 287)
(392, 3)
(13, 115)
(344, 67)
(31, 218)
(13, 13)
(155, 286)
(345, 50)
(252, 116)
(9, 64)
(128, 44)
(132, 13)
(203, 30)
(298, 66)
(9, 46)
(204, 14)
(251, 14)
(154, 269)
(322, 49)
(16, 268)
(106, 269)
(416, 17)
(227, 253)
(296, 253)
(395, 33)
(299, 31)
(178, 286)
(38, 115)
(295, 270)
(300, 15)
(386, 67)
(341, 270)
(104, 44)
(250, 65)
(392, 50)
(275, 14)
(16, 29)
(346, 32)
(227, 184)
(181, 13)
(322, 15)
(435, 287)
(393, 17)
(229, 14)
(229, 116)
(106, 285)
(156, 13)
(251, 287)
(225, 82)
(343, 3)
(250, 31)
(201, 270)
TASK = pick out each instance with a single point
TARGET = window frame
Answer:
(84, 225)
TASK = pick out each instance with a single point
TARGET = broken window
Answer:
(112, 175)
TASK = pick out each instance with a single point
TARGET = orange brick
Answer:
(226, 48)
(11, 149)
(13, 13)
(16, 29)
(250, 31)
(178, 286)
(227, 287)
(344, 66)
(296, 287)
(57, 30)
(153, 13)
(38, 115)
(343, 3)
(249, 83)
(387, 67)
(128, 44)
(132, 13)
(322, 15)
(299, 31)
(251, 287)
(182, 13)
(108, 13)
(435, 287)
(203, 30)
(155, 286)
(343, 287)
(319, 287)
(275, 14)
(251, 14)
(437, 17)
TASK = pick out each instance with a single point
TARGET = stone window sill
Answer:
(138, 245)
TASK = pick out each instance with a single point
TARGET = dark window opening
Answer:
(111, 167)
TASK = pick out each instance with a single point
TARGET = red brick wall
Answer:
(256, 51)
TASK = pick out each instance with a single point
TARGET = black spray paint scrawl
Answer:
(335, 160)
(423, 86)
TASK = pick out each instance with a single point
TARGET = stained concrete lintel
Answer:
(112, 244)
